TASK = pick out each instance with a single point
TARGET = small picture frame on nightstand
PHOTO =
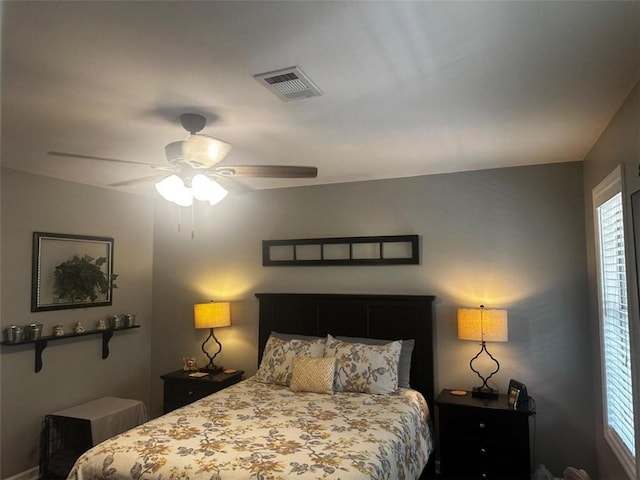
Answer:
(518, 398)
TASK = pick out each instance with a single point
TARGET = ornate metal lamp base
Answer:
(211, 367)
(484, 391)
(481, 392)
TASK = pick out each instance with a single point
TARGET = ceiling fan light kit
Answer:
(202, 188)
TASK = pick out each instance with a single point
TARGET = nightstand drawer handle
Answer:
(190, 392)
(484, 475)
(483, 450)
(482, 426)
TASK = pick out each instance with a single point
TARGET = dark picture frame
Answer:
(51, 251)
(372, 250)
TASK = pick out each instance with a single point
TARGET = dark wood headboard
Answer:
(393, 317)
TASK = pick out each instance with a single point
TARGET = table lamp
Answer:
(486, 326)
(212, 315)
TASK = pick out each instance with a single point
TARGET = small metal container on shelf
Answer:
(115, 321)
(34, 331)
(14, 334)
(128, 319)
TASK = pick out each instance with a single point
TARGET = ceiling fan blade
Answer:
(266, 171)
(229, 183)
(165, 168)
(104, 159)
(136, 181)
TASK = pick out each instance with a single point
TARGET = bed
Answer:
(283, 422)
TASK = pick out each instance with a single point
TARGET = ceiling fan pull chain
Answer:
(179, 218)
(193, 223)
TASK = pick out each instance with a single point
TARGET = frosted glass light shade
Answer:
(212, 315)
(184, 197)
(216, 192)
(204, 150)
(200, 185)
(169, 186)
(482, 324)
(173, 189)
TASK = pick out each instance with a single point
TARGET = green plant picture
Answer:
(81, 278)
(71, 271)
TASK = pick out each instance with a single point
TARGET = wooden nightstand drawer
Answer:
(477, 423)
(470, 458)
(180, 389)
(185, 393)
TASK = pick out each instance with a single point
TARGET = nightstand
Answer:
(482, 438)
(180, 389)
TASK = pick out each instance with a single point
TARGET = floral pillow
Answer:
(275, 366)
(364, 368)
(404, 366)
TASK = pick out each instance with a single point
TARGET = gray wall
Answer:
(618, 145)
(73, 370)
(509, 238)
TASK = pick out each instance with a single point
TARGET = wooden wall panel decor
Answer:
(377, 250)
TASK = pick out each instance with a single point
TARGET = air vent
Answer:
(289, 84)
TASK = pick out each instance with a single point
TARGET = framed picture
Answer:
(71, 271)
(378, 250)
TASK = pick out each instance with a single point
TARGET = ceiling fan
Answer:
(193, 171)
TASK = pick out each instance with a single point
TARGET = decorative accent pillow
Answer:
(364, 368)
(404, 366)
(275, 366)
(311, 374)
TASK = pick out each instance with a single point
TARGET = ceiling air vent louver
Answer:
(289, 84)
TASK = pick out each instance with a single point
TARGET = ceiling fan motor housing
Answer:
(197, 151)
(175, 152)
(192, 122)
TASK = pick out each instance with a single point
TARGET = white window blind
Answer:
(614, 322)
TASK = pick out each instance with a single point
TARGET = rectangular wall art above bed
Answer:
(298, 418)
(379, 250)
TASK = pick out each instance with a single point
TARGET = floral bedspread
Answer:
(261, 431)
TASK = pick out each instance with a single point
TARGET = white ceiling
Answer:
(410, 88)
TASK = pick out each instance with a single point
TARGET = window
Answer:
(614, 320)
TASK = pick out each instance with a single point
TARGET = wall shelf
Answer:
(42, 342)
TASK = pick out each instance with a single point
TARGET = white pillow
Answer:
(364, 368)
(275, 366)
